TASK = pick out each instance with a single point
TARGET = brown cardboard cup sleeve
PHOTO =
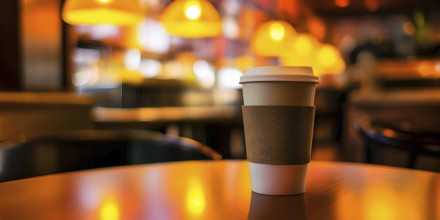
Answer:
(278, 135)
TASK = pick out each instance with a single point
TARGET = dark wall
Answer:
(10, 73)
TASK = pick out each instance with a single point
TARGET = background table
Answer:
(214, 126)
(222, 190)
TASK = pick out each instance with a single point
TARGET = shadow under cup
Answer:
(278, 118)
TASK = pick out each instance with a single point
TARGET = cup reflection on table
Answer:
(277, 207)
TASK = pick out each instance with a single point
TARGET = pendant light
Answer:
(97, 12)
(302, 51)
(272, 37)
(330, 60)
(192, 19)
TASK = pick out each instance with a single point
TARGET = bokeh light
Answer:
(109, 209)
(305, 44)
(205, 73)
(342, 3)
(150, 68)
(153, 37)
(191, 19)
(195, 198)
(229, 78)
(230, 28)
(277, 31)
(132, 59)
(328, 56)
(104, 2)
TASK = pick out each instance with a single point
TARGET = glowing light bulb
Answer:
(272, 37)
(193, 11)
(104, 2)
(277, 31)
(192, 19)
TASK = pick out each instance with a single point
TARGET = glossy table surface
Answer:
(222, 190)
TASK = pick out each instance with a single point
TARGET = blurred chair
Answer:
(50, 153)
(390, 141)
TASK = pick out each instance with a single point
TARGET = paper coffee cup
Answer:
(278, 116)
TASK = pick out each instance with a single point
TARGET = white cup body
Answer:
(279, 93)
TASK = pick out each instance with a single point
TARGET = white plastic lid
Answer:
(279, 73)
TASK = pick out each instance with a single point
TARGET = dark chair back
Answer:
(50, 153)
(419, 141)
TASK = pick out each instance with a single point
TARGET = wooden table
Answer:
(222, 190)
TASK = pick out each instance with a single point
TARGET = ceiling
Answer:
(359, 7)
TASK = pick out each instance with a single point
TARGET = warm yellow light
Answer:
(104, 1)
(109, 209)
(130, 76)
(328, 56)
(277, 31)
(271, 38)
(191, 19)
(292, 58)
(195, 202)
(302, 51)
(328, 60)
(305, 44)
(195, 198)
(114, 12)
(384, 208)
(193, 11)
(244, 62)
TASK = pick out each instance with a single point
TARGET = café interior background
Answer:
(364, 51)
